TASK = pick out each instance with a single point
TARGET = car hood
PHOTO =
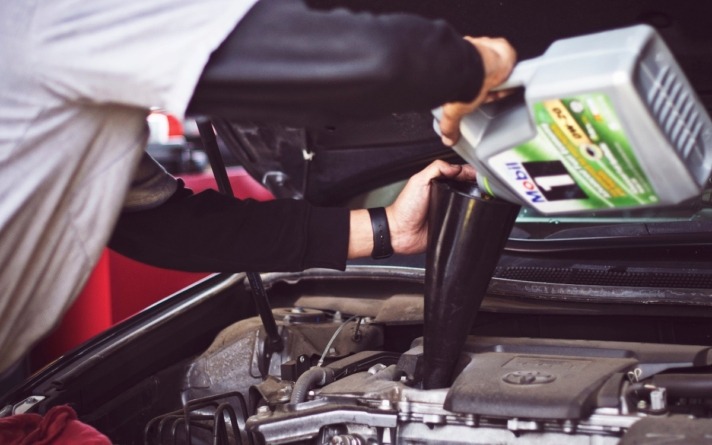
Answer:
(333, 162)
(358, 163)
(593, 330)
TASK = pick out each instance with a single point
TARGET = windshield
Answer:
(691, 217)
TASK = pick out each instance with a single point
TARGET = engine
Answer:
(334, 384)
(335, 378)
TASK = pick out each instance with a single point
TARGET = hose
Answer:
(312, 378)
(685, 385)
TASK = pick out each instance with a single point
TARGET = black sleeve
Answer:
(284, 59)
(211, 232)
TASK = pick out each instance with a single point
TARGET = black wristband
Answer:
(381, 234)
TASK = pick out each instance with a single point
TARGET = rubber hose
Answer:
(308, 381)
(685, 385)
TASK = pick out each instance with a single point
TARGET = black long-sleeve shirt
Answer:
(282, 60)
(285, 59)
(212, 232)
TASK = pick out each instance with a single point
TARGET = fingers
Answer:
(439, 168)
(498, 59)
(497, 95)
(436, 169)
(450, 122)
(467, 173)
(408, 215)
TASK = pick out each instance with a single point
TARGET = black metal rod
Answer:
(273, 342)
(210, 144)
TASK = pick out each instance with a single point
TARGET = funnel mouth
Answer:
(467, 189)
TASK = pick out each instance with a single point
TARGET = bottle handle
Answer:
(488, 114)
(521, 75)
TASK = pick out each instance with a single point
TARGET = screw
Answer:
(385, 405)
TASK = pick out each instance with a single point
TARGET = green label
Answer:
(581, 159)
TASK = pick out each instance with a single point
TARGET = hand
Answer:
(408, 215)
(498, 58)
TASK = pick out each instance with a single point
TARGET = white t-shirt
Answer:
(76, 80)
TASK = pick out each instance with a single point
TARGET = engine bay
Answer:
(331, 370)
(335, 382)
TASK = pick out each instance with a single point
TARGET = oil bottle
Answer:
(600, 122)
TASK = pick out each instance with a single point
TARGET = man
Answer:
(78, 78)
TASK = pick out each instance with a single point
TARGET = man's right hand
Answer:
(498, 59)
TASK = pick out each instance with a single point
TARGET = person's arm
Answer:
(284, 59)
(211, 232)
(498, 58)
(408, 215)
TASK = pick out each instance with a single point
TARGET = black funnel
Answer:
(467, 231)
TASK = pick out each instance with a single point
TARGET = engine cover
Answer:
(507, 390)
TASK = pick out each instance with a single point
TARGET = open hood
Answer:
(329, 163)
(593, 330)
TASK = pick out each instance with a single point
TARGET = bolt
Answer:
(385, 405)
(345, 439)
(283, 394)
(642, 405)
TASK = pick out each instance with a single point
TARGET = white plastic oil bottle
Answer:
(606, 121)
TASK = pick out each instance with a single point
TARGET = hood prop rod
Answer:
(273, 341)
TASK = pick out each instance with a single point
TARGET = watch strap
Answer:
(381, 234)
